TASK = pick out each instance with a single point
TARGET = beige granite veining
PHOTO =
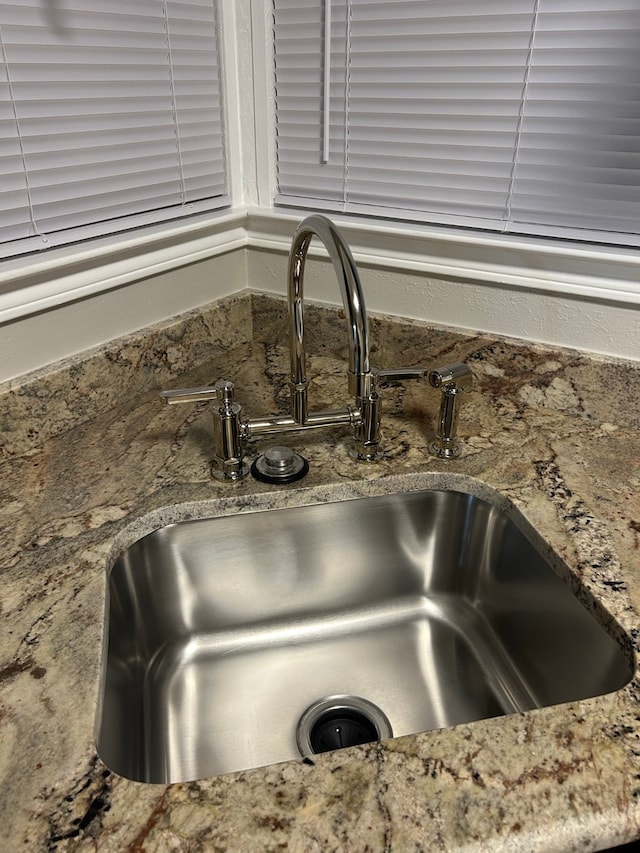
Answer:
(90, 460)
(46, 402)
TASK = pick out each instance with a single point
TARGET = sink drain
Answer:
(339, 721)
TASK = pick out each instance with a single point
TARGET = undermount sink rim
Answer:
(388, 486)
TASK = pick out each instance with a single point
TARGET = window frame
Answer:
(30, 283)
(560, 268)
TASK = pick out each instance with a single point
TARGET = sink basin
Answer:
(432, 607)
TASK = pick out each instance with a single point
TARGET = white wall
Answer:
(39, 339)
(583, 297)
(534, 315)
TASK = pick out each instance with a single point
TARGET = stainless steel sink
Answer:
(432, 605)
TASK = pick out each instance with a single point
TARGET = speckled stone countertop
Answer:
(90, 460)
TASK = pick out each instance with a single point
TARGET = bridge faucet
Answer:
(231, 431)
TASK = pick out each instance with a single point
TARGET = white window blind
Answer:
(110, 117)
(510, 115)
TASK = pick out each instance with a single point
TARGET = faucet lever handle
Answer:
(228, 460)
(221, 390)
(400, 373)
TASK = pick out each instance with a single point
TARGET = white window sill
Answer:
(556, 267)
(34, 283)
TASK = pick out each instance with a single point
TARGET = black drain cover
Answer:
(339, 727)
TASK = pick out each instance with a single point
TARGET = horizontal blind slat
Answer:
(584, 76)
(116, 112)
(432, 100)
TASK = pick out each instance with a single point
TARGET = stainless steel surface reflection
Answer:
(432, 605)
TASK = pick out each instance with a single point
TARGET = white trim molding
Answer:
(553, 266)
(29, 285)
(575, 295)
(550, 292)
(33, 284)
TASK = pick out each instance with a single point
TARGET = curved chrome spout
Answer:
(354, 308)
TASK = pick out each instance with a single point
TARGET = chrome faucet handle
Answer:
(453, 380)
(222, 390)
(228, 462)
(400, 373)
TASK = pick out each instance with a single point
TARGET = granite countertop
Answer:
(90, 460)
